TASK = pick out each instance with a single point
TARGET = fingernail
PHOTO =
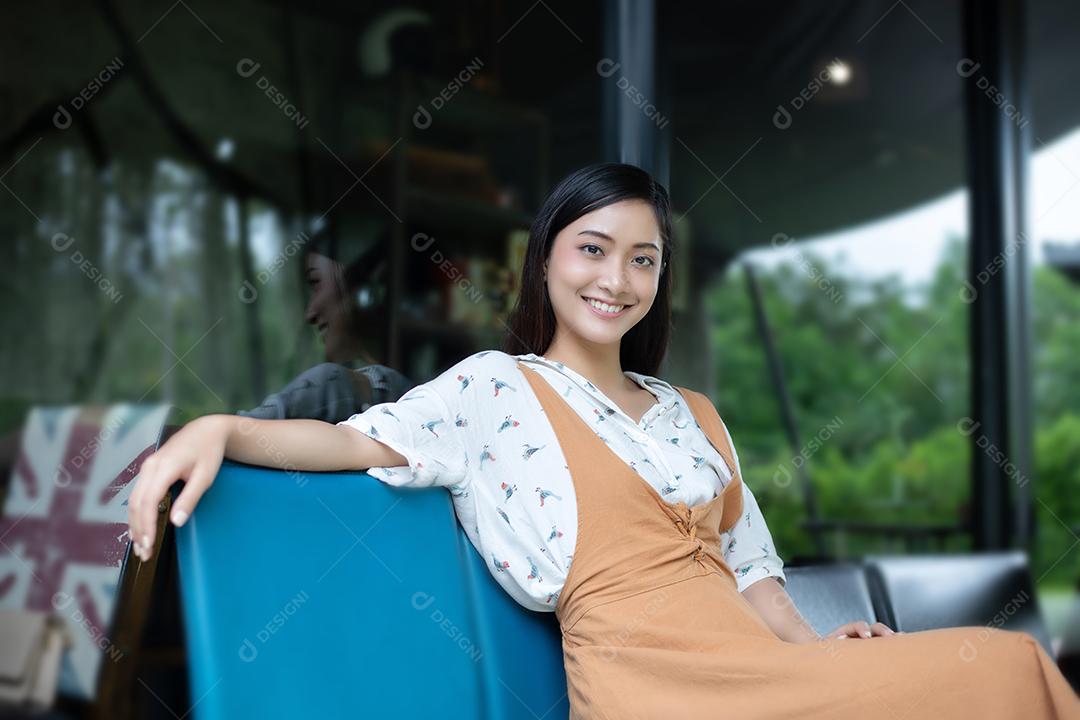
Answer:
(179, 517)
(865, 634)
(841, 637)
(146, 542)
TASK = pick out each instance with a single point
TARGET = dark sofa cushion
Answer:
(938, 591)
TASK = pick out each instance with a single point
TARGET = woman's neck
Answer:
(599, 364)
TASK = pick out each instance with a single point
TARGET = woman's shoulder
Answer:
(477, 370)
(483, 362)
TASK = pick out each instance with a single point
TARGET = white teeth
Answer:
(604, 306)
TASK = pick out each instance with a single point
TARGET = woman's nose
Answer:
(614, 281)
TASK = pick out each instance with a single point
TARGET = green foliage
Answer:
(1057, 502)
(878, 375)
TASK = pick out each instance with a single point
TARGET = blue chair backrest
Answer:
(336, 595)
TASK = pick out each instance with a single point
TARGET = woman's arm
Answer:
(303, 445)
(194, 455)
(777, 609)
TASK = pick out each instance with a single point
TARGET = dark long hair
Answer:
(532, 321)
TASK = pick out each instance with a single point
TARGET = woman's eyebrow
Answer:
(605, 236)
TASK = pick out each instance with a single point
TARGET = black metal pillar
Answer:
(998, 285)
(787, 408)
(629, 88)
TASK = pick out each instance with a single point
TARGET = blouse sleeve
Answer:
(748, 547)
(420, 426)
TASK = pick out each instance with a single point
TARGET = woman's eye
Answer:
(649, 261)
(586, 249)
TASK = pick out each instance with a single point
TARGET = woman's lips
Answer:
(603, 314)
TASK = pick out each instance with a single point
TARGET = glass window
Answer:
(837, 175)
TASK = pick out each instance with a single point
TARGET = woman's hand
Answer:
(863, 630)
(194, 455)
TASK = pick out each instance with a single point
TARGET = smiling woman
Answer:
(615, 278)
(612, 243)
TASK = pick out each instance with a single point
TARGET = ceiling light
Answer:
(839, 72)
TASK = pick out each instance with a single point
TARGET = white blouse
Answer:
(478, 430)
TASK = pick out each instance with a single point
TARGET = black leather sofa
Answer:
(913, 593)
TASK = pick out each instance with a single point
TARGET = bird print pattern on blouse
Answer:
(479, 431)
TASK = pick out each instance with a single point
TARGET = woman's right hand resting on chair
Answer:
(195, 453)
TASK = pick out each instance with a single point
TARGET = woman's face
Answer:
(613, 256)
(327, 309)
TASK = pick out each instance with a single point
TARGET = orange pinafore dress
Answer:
(653, 625)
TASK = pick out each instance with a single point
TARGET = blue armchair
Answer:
(335, 595)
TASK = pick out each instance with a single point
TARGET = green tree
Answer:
(878, 375)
